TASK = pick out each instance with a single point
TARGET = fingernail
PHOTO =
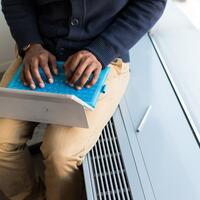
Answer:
(88, 86)
(41, 85)
(56, 71)
(78, 87)
(50, 80)
(71, 84)
(25, 84)
(32, 86)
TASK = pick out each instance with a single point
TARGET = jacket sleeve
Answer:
(131, 24)
(21, 18)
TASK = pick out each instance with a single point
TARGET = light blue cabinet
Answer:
(170, 152)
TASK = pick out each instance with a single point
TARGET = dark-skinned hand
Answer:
(79, 67)
(36, 56)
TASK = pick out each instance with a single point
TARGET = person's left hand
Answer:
(79, 67)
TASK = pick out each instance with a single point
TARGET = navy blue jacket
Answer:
(108, 28)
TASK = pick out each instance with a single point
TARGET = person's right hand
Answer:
(36, 56)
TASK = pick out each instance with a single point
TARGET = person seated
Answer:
(87, 36)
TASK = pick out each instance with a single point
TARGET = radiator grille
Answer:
(110, 177)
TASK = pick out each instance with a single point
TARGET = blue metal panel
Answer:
(128, 157)
(171, 154)
(136, 152)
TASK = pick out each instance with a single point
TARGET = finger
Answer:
(52, 60)
(71, 65)
(22, 77)
(46, 69)
(47, 72)
(65, 66)
(67, 62)
(36, 74)
(85, 76)
(29, 77)
(94, 78)
(79, 70)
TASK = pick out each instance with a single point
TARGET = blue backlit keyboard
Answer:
(89, 96)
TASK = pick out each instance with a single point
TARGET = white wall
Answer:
(7, 44)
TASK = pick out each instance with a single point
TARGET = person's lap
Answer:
(97, 119)
(61, 143)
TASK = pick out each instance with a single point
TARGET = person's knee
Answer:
(61, 161)
(63, 148)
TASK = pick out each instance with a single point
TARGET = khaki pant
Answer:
(63, 148)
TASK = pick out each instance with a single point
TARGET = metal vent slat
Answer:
(107, 171)
(102, 191)
(111, 158)
(110, 176)
(95, 171)
(120, 187)
(119, 159)
(101, 158)
(124, 179)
